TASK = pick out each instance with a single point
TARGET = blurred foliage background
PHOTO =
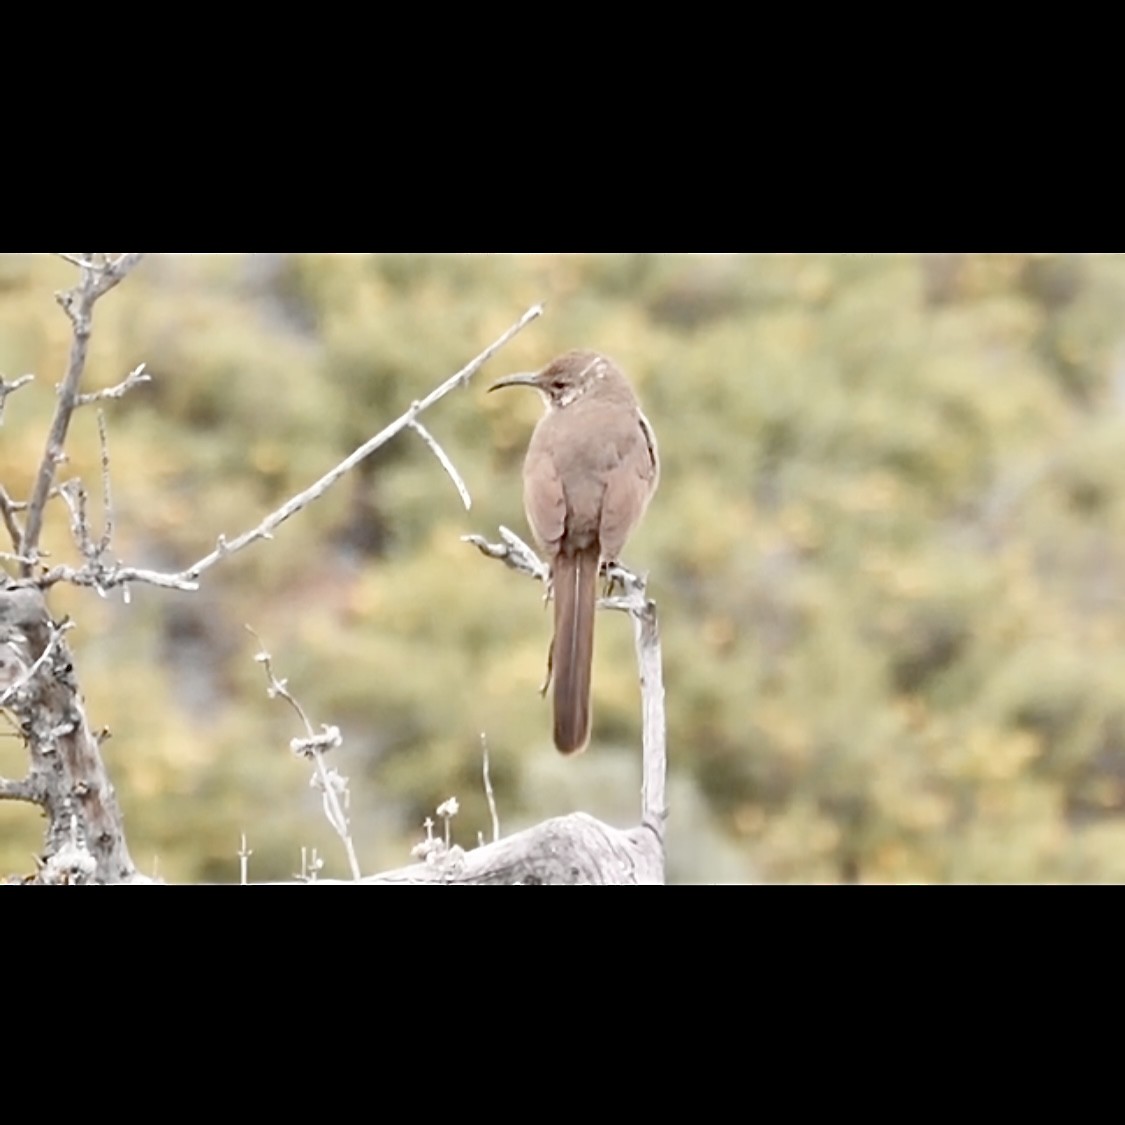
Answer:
(887, 550)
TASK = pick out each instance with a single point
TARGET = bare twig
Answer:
(8, 515)
(311, 864)
(447, 810)
(73, 493)
(446, 464)
(78, 303)
(441, 856)
(513, 552)
(488, 791)
(107, 495)
(296, 503)
(110, 576)
(56, 636)
(278, 688)
(7, 388)
(25, 789)
(107, 577)
(244, 854)
(430, 846)
(332, 784)
(654, 751)
(134, 379)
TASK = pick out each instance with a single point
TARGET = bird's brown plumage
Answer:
(590, 471)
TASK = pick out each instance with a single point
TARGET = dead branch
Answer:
(513, 552)
(98, 278)
(107, 493)
(26, 671)
(22, 790)
(331, 783)
(38, 687)
(134, 379)
(488, 790)
(445, 462)
(650, 667)
(8, 515)
(574, 850)
(106, 577)
(244, 854)
(7, 388)
(85, 833)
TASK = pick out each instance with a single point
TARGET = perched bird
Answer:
(590, 471)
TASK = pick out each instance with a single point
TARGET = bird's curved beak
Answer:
(523, 379)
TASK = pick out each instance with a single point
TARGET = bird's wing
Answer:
(545, 503)
(629, 486)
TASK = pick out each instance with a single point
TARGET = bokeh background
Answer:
(888, 551)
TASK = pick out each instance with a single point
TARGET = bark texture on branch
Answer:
(574, 850)
(85, 840)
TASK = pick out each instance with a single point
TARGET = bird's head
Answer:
(565, 379)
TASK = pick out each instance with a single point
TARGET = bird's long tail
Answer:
(575, 585)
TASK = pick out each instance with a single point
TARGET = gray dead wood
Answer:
(574, 851)
(38, 686)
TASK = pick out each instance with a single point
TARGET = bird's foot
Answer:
(615, 576)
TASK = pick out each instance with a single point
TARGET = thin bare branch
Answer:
(296, 503)
(78, 303)
(332, 784)
(57, 633)
(244, 854)
(646, 639)
(311, 866)
(107, 577)
(446, 463)
(134, 379)
(73, 493)
(7, 388)
(81, 263)
(488, 791)
(23, 790)
(447, 810)
(278, 689)
(8, 515)
(107, 495)
(513, 552)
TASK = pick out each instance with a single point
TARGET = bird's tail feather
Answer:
(575, 582)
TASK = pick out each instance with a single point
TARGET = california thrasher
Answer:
(590, 471)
